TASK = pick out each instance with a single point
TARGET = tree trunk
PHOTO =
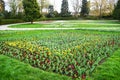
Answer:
(32, 22)
(100, 11)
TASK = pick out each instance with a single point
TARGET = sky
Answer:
(56, 3)
(6, 5)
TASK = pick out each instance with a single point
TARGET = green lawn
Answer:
(45, 34)
(72, 24)
(109, 70)
(11, 69)
(75, 53)
(35, 25)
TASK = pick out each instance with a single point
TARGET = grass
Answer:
(11, 69)
(18, 35)
(28, 35)
(28, 25)
(72, 24)
(109, 70)
(10, 21)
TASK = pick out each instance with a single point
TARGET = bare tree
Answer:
(98, 6)
(111, 6)
(19, 6)
(76, 4)
(15, 6)
(2, 5)
(44, 4)
(102, 7)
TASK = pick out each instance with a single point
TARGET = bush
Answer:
(7, 15)
(1, 17)
(50, 15)
(107, 17)
(56, 14)
(10, 15)
(53, 15)
(57, 18)
(10, 21)
(91, 17)
(0, 20)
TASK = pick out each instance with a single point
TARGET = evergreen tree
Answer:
(64, 9)
(31, 10)
(85, 8)
(116, 12)
(50, 11)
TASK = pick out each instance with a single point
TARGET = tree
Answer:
(56, 14)
(102, 7)
(111, 5)
(31, 10)
(50, 11)
(20, 13)
(2, 6)
(85, 8)
(15, 6)
(2, 9)
(116, 13)
(98, 6)
(44, 4)
(76, 4)
(19, 6)
(64, 9)
(7, 14)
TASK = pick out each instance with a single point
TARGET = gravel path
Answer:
(5, 27)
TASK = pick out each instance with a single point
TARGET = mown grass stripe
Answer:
(109, 70)
(11, 69)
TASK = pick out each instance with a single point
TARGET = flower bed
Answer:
(67, 53)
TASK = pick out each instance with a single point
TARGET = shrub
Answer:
(1, 17)
(10, 21)
(58, 18)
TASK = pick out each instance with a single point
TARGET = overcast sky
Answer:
(56, 3)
